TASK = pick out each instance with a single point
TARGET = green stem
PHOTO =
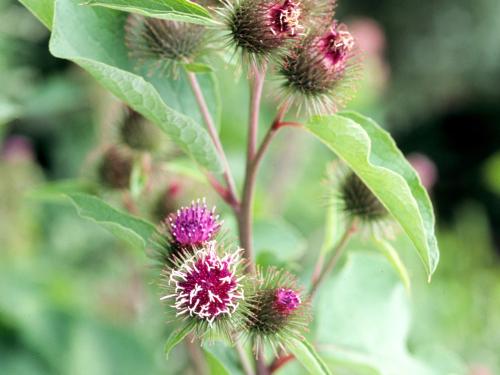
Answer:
(337, 252)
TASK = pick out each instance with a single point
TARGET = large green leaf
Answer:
(372, 154)
(135, 231)
(93, 38)
(179, 10)
(305, 353)
(42, 9)
(371, 338)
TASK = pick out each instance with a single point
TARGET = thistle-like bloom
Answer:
(275, 310)
(205, 289)
(160, 45)
(260, 27)
(193, 225)
(320, 70)
(184, 231)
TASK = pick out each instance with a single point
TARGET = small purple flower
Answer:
(284, 18)
(194, 225)
(286, 301)
(206, 285)
(336, 46)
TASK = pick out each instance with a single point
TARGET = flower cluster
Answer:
(206, 288)
(316, 55)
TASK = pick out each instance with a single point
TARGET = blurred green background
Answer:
(74, 300)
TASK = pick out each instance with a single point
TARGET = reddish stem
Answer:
(214, 135)
(280, 362)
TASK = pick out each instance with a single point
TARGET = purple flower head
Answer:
(335, 46)
(284, 18)
(194, 225)
(320, 70)
(206, 285)
(286, 301)
(262, 28)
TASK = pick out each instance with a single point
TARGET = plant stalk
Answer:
(337, 252)
(245, 217)
(230, 195)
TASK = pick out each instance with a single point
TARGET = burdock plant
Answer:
(162, 60)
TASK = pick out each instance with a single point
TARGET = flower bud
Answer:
(359, 201)
(159, 45)
(137, 133)
(276, 311)
(321, 69)
(115, 168)
(260, 27)
(204, 289)
(359, 204)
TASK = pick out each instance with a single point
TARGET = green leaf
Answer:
(215, 366)
(305, 353)
(135, 231)
(393, 257)
(177, 10)
(372, 154)
(93, 38)
(371, 337)
(42, 9)
(176, 337)
(185, 167)
(225, 355)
